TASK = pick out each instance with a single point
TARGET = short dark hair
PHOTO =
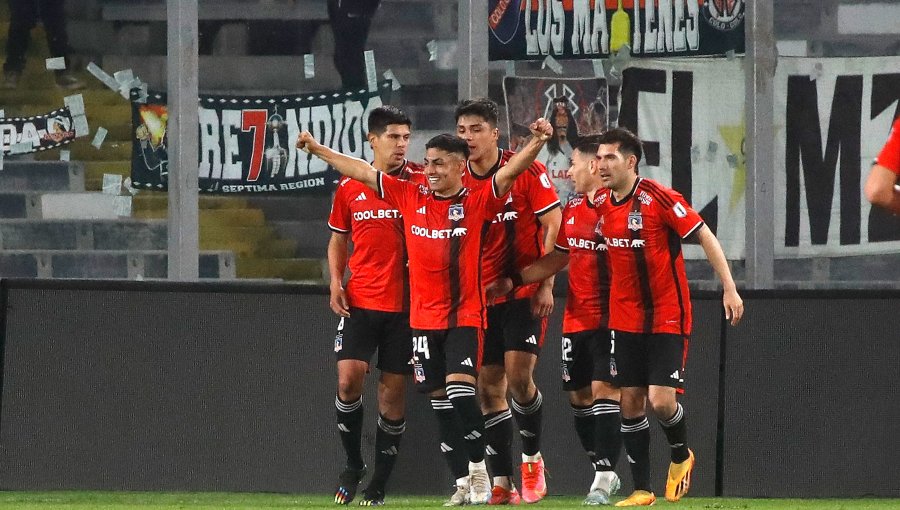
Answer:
(383, 116)
(451, 144)
(483, 107)
(588, 144)
(629, 143)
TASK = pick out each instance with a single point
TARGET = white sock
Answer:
(462, 482)
(477, 466)
(503, 481)
(531, 458)
(603, 480)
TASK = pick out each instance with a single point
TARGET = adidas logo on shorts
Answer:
(467, 362)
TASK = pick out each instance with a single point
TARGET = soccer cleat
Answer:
(479, 484)
(504, 496)
(372, 497)
(348, 484)
(598, 496)
(638, 498)
(534, 481)
(679, 480)
(460, 497)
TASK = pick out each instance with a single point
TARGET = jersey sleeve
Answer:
(488, 194)
(541, 192)
(680, 215)
(339, 219)
(889, 157)
(562, 241)
(394, 191)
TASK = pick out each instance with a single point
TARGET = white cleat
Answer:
(479, 484)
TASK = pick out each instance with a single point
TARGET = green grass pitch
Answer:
(82, 500)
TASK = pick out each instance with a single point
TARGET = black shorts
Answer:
(640, 360)
(438, 352)
(585, 358)
(359, 335)
(511, 327)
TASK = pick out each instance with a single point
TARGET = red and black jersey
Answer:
(889, 157)
(587, 306)
(445, 241)
(516, 237)
(378, 263)
(643, 233)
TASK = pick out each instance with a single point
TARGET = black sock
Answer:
(584, 429)
(451, 437)
(608, 438)
(498, 431)
(349, 420)
(636, 436)
(528, 417)
(387, 445)
(465, 403)
(676, 432)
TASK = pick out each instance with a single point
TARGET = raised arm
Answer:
(732, 302)
(541, 130)
(354, 168)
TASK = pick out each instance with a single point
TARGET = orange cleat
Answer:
(638, 498)
(534, 482)
(679, 480)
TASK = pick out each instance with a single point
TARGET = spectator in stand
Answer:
(23, 17)
(350, 21)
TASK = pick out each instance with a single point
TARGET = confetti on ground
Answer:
(56, 64)
(75, 104)
(309, 66)
(99, 137)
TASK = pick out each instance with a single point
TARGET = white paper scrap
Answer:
(99, 137)
(56, 64)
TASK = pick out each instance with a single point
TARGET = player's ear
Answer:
(370, 136)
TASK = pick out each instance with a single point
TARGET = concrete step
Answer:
(311, 236)
(82, 150)
(156, 200)
(287, 268)
(106, 264)
(51, 99)
(17, 204)
(215, 217)
(121, 234)
(301, 207)
(27, 175)
(217, 72)
(83, 205)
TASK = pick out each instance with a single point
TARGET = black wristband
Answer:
(516, 280)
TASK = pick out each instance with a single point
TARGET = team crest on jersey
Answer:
(565, 373)
(338, 342)
(612, 367)
(456, 212)
(599, 228)
(635, 221)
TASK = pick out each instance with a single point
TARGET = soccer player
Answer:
(585, 345)
(373, 308)
(643, 223)
(881, 185)
(519, 235)
(444, 225)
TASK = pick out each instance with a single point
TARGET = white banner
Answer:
(831, 118)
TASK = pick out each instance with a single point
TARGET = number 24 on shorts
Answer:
(420, 346)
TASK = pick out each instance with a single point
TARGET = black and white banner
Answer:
(832, 116)
(576, 29)
(247, 143)
(21, 135)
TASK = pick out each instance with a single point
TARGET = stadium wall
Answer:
(230, 387)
